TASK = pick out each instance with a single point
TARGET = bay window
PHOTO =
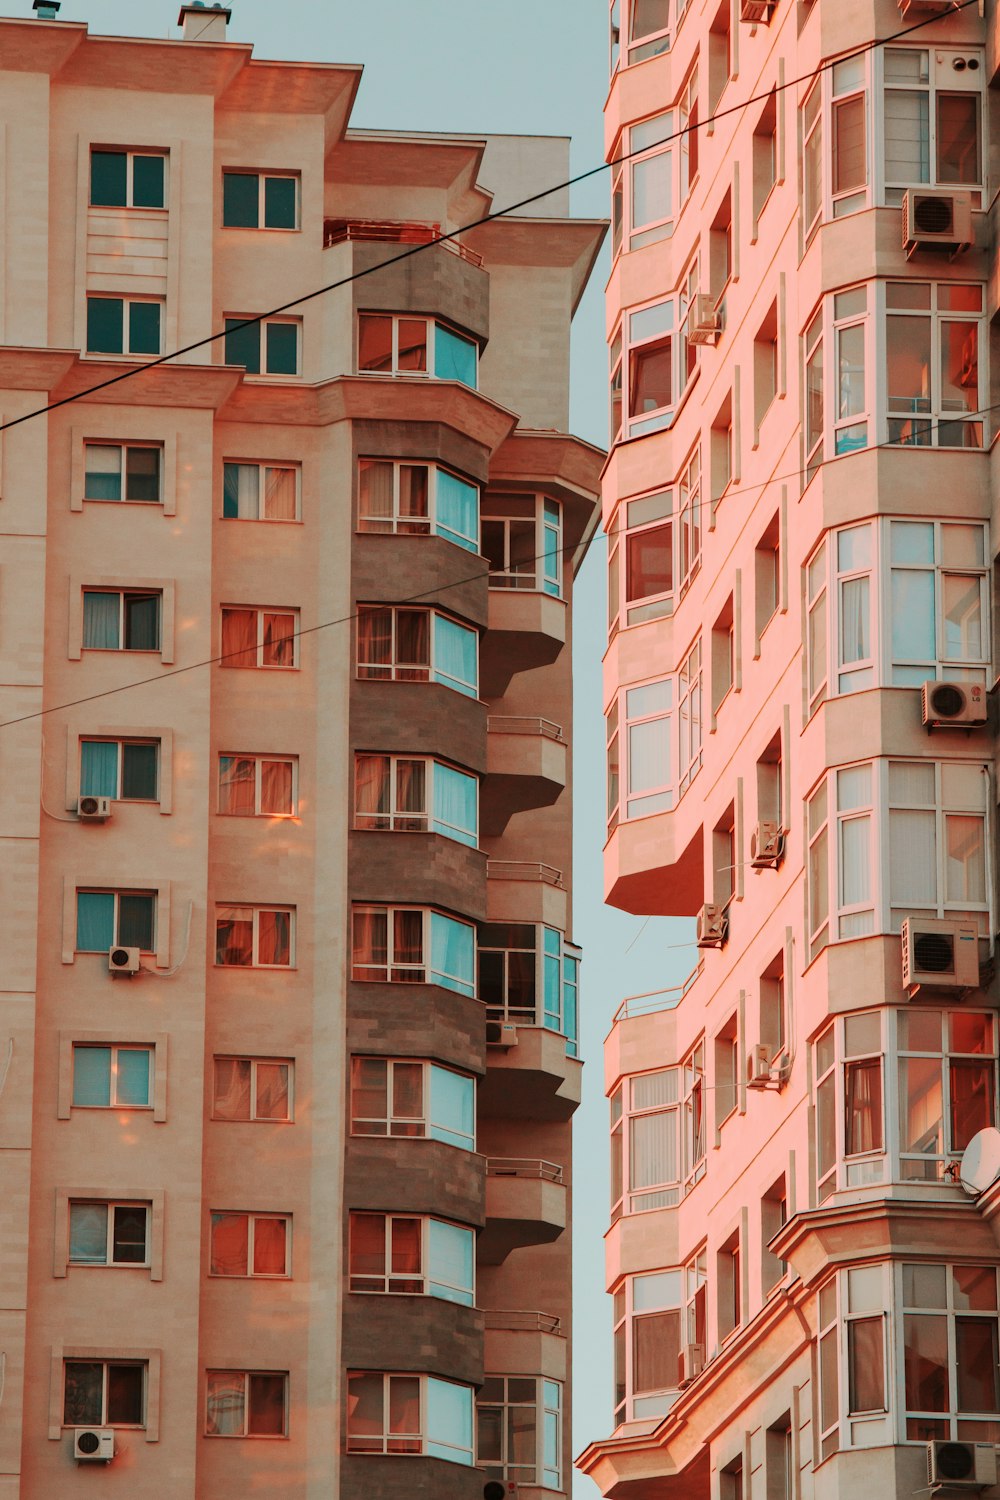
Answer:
(658, 361)
(661, 723)
(417, 645)
(412, 1255)
(949, 1351)
(649, 1315)
(417, 499)
(415, 795)
(654, 557)
(415, 1098)
(529, 975)
(656, 179)
(413, 945)
(693, 1116)
(397, 1414)
(400, 344)
(934, 376)
(522, 541)
(645, 1142)
(519, 1430)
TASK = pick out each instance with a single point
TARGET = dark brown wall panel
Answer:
(415, 1176)
(421, 1334)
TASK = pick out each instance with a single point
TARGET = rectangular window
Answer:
(415, 795)
(124, 325)
(104, 1393)
(765, 364)
(109, 1234)
(848, 136)
(264, 346)
(409, 1097)
(689, 717)
(773, 1217)
(522, 541)
(811, 130)
(723, 654)
(814, 412)
(127, 770)
(416, 499)
(651, 1314)
(253, 638)
(765, 154)
(935, 378)
(727, 1071)
(122, 471)
(413, 945)
(652, 384)
(653, 194)
(829, 1369)
(729, 1270)
(107, 918)
(932, 102)
(396, 344)
(417, 645)
(693, 1131)
(949, 1352)
(260, 937)
(261, 786)
(260, 492)
(938, 601)
(519, 1430)
(409, 1414)
(114, 1077)
(405, 1253)
(260, 200)
(128, 179)
(947, 1088)
(530, 976)
(767, 575)
(648, 28)
(246, 1403)
(645, 1143)
(253, 1088)
(650, 752)
(250, 1245)
(120, 620)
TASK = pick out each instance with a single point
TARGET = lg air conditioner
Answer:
(690, 1363)
(500, 1489)
(501, 1034)
(758, 1069)
(766, 846)
(94, 1445)
(962, 704)
(941, 955)
(936, 220)
(123, 960)
(704, 323)
(711, 926)
(93, 809)
(961, 1466)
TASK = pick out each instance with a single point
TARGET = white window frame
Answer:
(262, 178)
(399, 523)
(649, 43)
(694, 1117)
(122, 595)
(115, 1048)
(121, 741)
(105, 1421)
(640, 1406)
(111, 1204)
(259, 760)
(264, 468)
(117, 892)
(420, 1442)
(940, 73)
(429, 671)
(130, 155)
(251, 1217)
(547, 544)
(127, 303)
(431, 326)
(256, 911)
(262, 324)
(398, 820)
(934, 419)
(666, 1194)
(419, 1126)
(955, 1423)
(124, 449)
(464, 1296)
(548, 1402)
(254, 1118)
(670, 326)
(422, 970)
(246, 1433)
(261, 613)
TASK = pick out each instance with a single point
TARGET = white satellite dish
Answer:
(980, 1165)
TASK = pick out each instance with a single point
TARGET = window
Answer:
(410, 1097)
(814, 412)
(409, 1414)
(779, 1458)
(127, 770)
(529, 975)
(649, 1314)
(722, 848)
(950, 1352)
(727, 1071)
(853, 1095)
(413, 499)
(246, 1403)
(729, 1270)
(254, 638)
(849, 339)
(695, 1298)
(765, 365)
(252, 1088)
(250, 1245)
(731, 1480)
(720, 54)
(259, 786)
(765, 154)
(648, 30)
(723, 449)
(124, 325)
(947, 1088)
(522, 541)
(260, 200)
(115, 1077)
(519, 1430)
(645, 1142)
(104, 1393)
(772, 1008)
(767, 575)
(107, 918)
(848, 136)
(128, 179)
(260, 937)
(769, 775)
(656, 367)
(934, 375)
(811, 129)
(693, 1116)
(260, 492)
(932, 131)
(122, 471)
(656, 179)
(407, 794)
(404, 1253)
(395, 344)
(829, 1370)
(689, 699)
(118, 620)
(417, 645)
(723, 654)
(650, 769)
(265, 346)
(109, 1234)
(413, 945)
(773, 1217)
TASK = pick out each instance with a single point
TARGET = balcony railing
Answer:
(514, 724)
(524, 869)
(393, 232)
(654, 1000)
(523, 1322)
(522, 1166)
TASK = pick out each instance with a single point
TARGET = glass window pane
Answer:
(452, 954)
(279, 202)
(976, 1360)
(105, 325)
(129, 1235)
(962, 618)
(243, 344)
(108, 178)
(866, 1365)
(925, 1360)
(142, 474)
(139, 772)
(908, 364)
(99, 768)
(454, 357)
(921, 1113)
(240, 197)
(95, 921)
(449, 1421)
(266, 1409)
(142, 622)
(144, 328)
(965, 855)
(125, 1393)
(92, 1076)
(849, 156)
(652, 189)
(974, 1287)
(132, 1081)
(83, 1396)
(88, 1234)
(411, 340)
(912, 626)
(375, 342)
(103, 472)
(452, 1108)
(651, 378)
(958, 142)
(451, 1254)
(906, 126)
(457, 514)
(924, 1286)
(282, 345)
(148, 181)
(135, 921)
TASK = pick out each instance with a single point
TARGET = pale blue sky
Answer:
(531, 67)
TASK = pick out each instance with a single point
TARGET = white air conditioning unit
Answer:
(936, 220)
(939, 954)
(711, 926)
(704, 321)
(123, 960)
(758, 1069)
(961, 1466)
(501, 1034)
(93, 809)
(753, 11)
(958, 703)
(690, 1363)
(767, 845)
(94, 1445)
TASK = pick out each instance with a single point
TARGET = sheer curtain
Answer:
(374, 642)
(455, 798)
(270, 1250)
(279, 494)
(272, 1091)
(99, 768)
(241, 492)
(653, 1150)
(370, 944)
(101, 613)
(455, 656)
(375, 512)
(274, 929)
(972, 1094)
(229, 1244)
(237, 785)
(863, 1106)
(232, 1088)
(239, 638)
(226, 1403)
(279, 640)
(453, 954)
(276, 787)
(371, 791)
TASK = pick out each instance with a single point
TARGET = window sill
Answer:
(130, 208)
(142, 504)
(263, 228)
(265, 520)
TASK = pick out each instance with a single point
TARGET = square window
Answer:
(112, 1077)
(253, 1089)
(104, 1393)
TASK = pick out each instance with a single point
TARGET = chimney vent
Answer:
(204, 23)
(46, 10)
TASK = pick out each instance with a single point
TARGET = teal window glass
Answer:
(455, 656)
(103, 472)
(108, 179)
(455, 805)
(571, 1003)
(148, 181)
(279, 202)
(105, 325)
(92, 1076)
(282, 343)
(139, 772)
(101, 621)
(449, 1421)
(99, 768)
(457, 512)
(95, 921)
(88, 1234)
(452, 1113)
(450, 1255)
(453, 954)
(132, 1083)
(144, 328)
(551, 549)
(552, 951)
(243, 344)
(551, 1435)
(240, 204)
(454, 357)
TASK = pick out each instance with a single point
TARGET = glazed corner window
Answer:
(128, 179)
(252, 1088)
(104, 1393)
(250, 1245)
(645, 1142)
(519, 1430)
(394, 344)
(260, 200)
(105, 919)
(932, 118)
(260, 937)
(410, 1097)
(118, 620)
(848, 136)
(413, 499)
(260, 492)
(947, 1088)
(109, 1234)
(258, 786)
(124, 325)
(653, 566)
(649, 1313)
(402, 794)
(264, 346)
(934, 385)
(729, 1274)
(652, 191)
(850, 1124)
(652, 387)
(950, 1352)
(404, 1253)
(413, 945)
(112, 1077)
(127, 770)
(245, 1403)
(651, 772)
(259, 638)
(417, 645)
(122, 471)
(399, 1414)
(648, 28)
(530, 976)
(522, 541)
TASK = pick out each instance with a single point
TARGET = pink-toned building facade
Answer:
(288, 1005)
(800, 520)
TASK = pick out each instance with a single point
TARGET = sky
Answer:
(524, 67)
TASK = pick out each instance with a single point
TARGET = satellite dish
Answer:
(980, 1165)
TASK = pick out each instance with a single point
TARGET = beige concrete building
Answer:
(288, 1002)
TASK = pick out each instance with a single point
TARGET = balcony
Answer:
(525, 768)
(519, 890)
(525, 1205)
(394, 232)
(532, 1080)
(525, 1343)
(526, 629)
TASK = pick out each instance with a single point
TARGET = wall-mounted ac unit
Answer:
(690, 1363)
(940, 954)
(958, 703)
(766, 846)
(925, 7)
(704, 321)
(123, 960)
(94, 1445)
(501, 1034)
(936, 220)
(93, 809)
(711, 926)
(500, 1489)
(758, 1069)
(961, 1466)
(753, 11)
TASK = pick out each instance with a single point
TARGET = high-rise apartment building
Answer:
(800, 525)
(288, 1007)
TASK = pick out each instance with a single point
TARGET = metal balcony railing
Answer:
(515, 1321)
(520, 724)
(395, 232)
(654, 1000)
(522, 1166)
(523, 869)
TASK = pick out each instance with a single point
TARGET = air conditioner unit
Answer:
(704, 321)
(93, 809)
(941, 955)
(690, 1363)
(758, 1069)
(94, 1445)
(753, 11)
(711, 926)
(123, 960)
(500, 1489)
(936, 221)
(959, 703)
(766, 846)
(925, 6)
(961, 1466)
(501, 1034)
